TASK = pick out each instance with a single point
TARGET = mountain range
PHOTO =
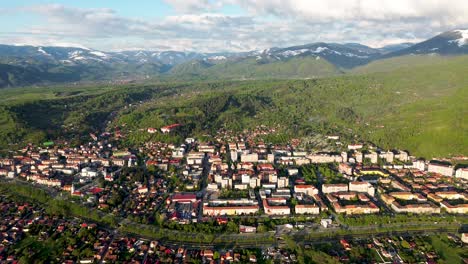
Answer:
(37, 65)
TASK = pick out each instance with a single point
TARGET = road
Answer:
(262, 240)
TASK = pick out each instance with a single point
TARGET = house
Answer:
(183, 198)
(152, 130)
(355, 146)
(247, 229)
(345, 168)
(207, 253)
(142, 189)
(169, 128)
(345, 244)
(464, 238)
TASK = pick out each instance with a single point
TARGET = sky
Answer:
(224, 25)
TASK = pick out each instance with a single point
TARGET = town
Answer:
(229, 183)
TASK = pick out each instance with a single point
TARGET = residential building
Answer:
(462, 173)
(446, 170)
(363, 187)
(306, 189)
(331, 188)
(276, 206)
(307, 209)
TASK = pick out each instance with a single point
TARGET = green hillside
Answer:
(300, 67)
(395, 63)
(422, 109)
(192, 69)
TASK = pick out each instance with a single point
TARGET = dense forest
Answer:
(422, 109)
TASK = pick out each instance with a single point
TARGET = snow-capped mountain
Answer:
(342, 55)
(448, 43)
(66, 64)
(67, 55)
(73, 55)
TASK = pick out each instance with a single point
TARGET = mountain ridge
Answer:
(23, 65)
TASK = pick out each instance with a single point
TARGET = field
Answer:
(422, 109)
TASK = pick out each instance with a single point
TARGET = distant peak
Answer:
(463, 40)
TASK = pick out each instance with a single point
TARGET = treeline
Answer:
(382, 220)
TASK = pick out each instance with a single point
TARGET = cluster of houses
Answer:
(61, 166)
(414, 191)
(251, 165)
(233, 174)
(15, 219)
(240, 174)
(20, 220)
(88, 243)
(352, 198)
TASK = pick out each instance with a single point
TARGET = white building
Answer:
(388, 156)
(355, 146)
(373, 156)
(307, 209)
(331, 188)
(245, 178)
(255, 182)
(306, 189)
(419, 164)
(233, 155)
(363, 187)
(445, 170)
(402, 155)
(89, 172)
(252, 157)
(324, 158)
(283, 182)
(462, 173)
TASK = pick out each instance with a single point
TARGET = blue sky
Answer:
(224, 25)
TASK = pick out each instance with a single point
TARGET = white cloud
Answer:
(266, 23)
(189, 6)
(448, 12)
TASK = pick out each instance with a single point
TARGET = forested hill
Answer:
(422, 109)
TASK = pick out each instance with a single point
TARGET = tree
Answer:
(262, 229)
(405, 244)
(293, 201)
(232, 227)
